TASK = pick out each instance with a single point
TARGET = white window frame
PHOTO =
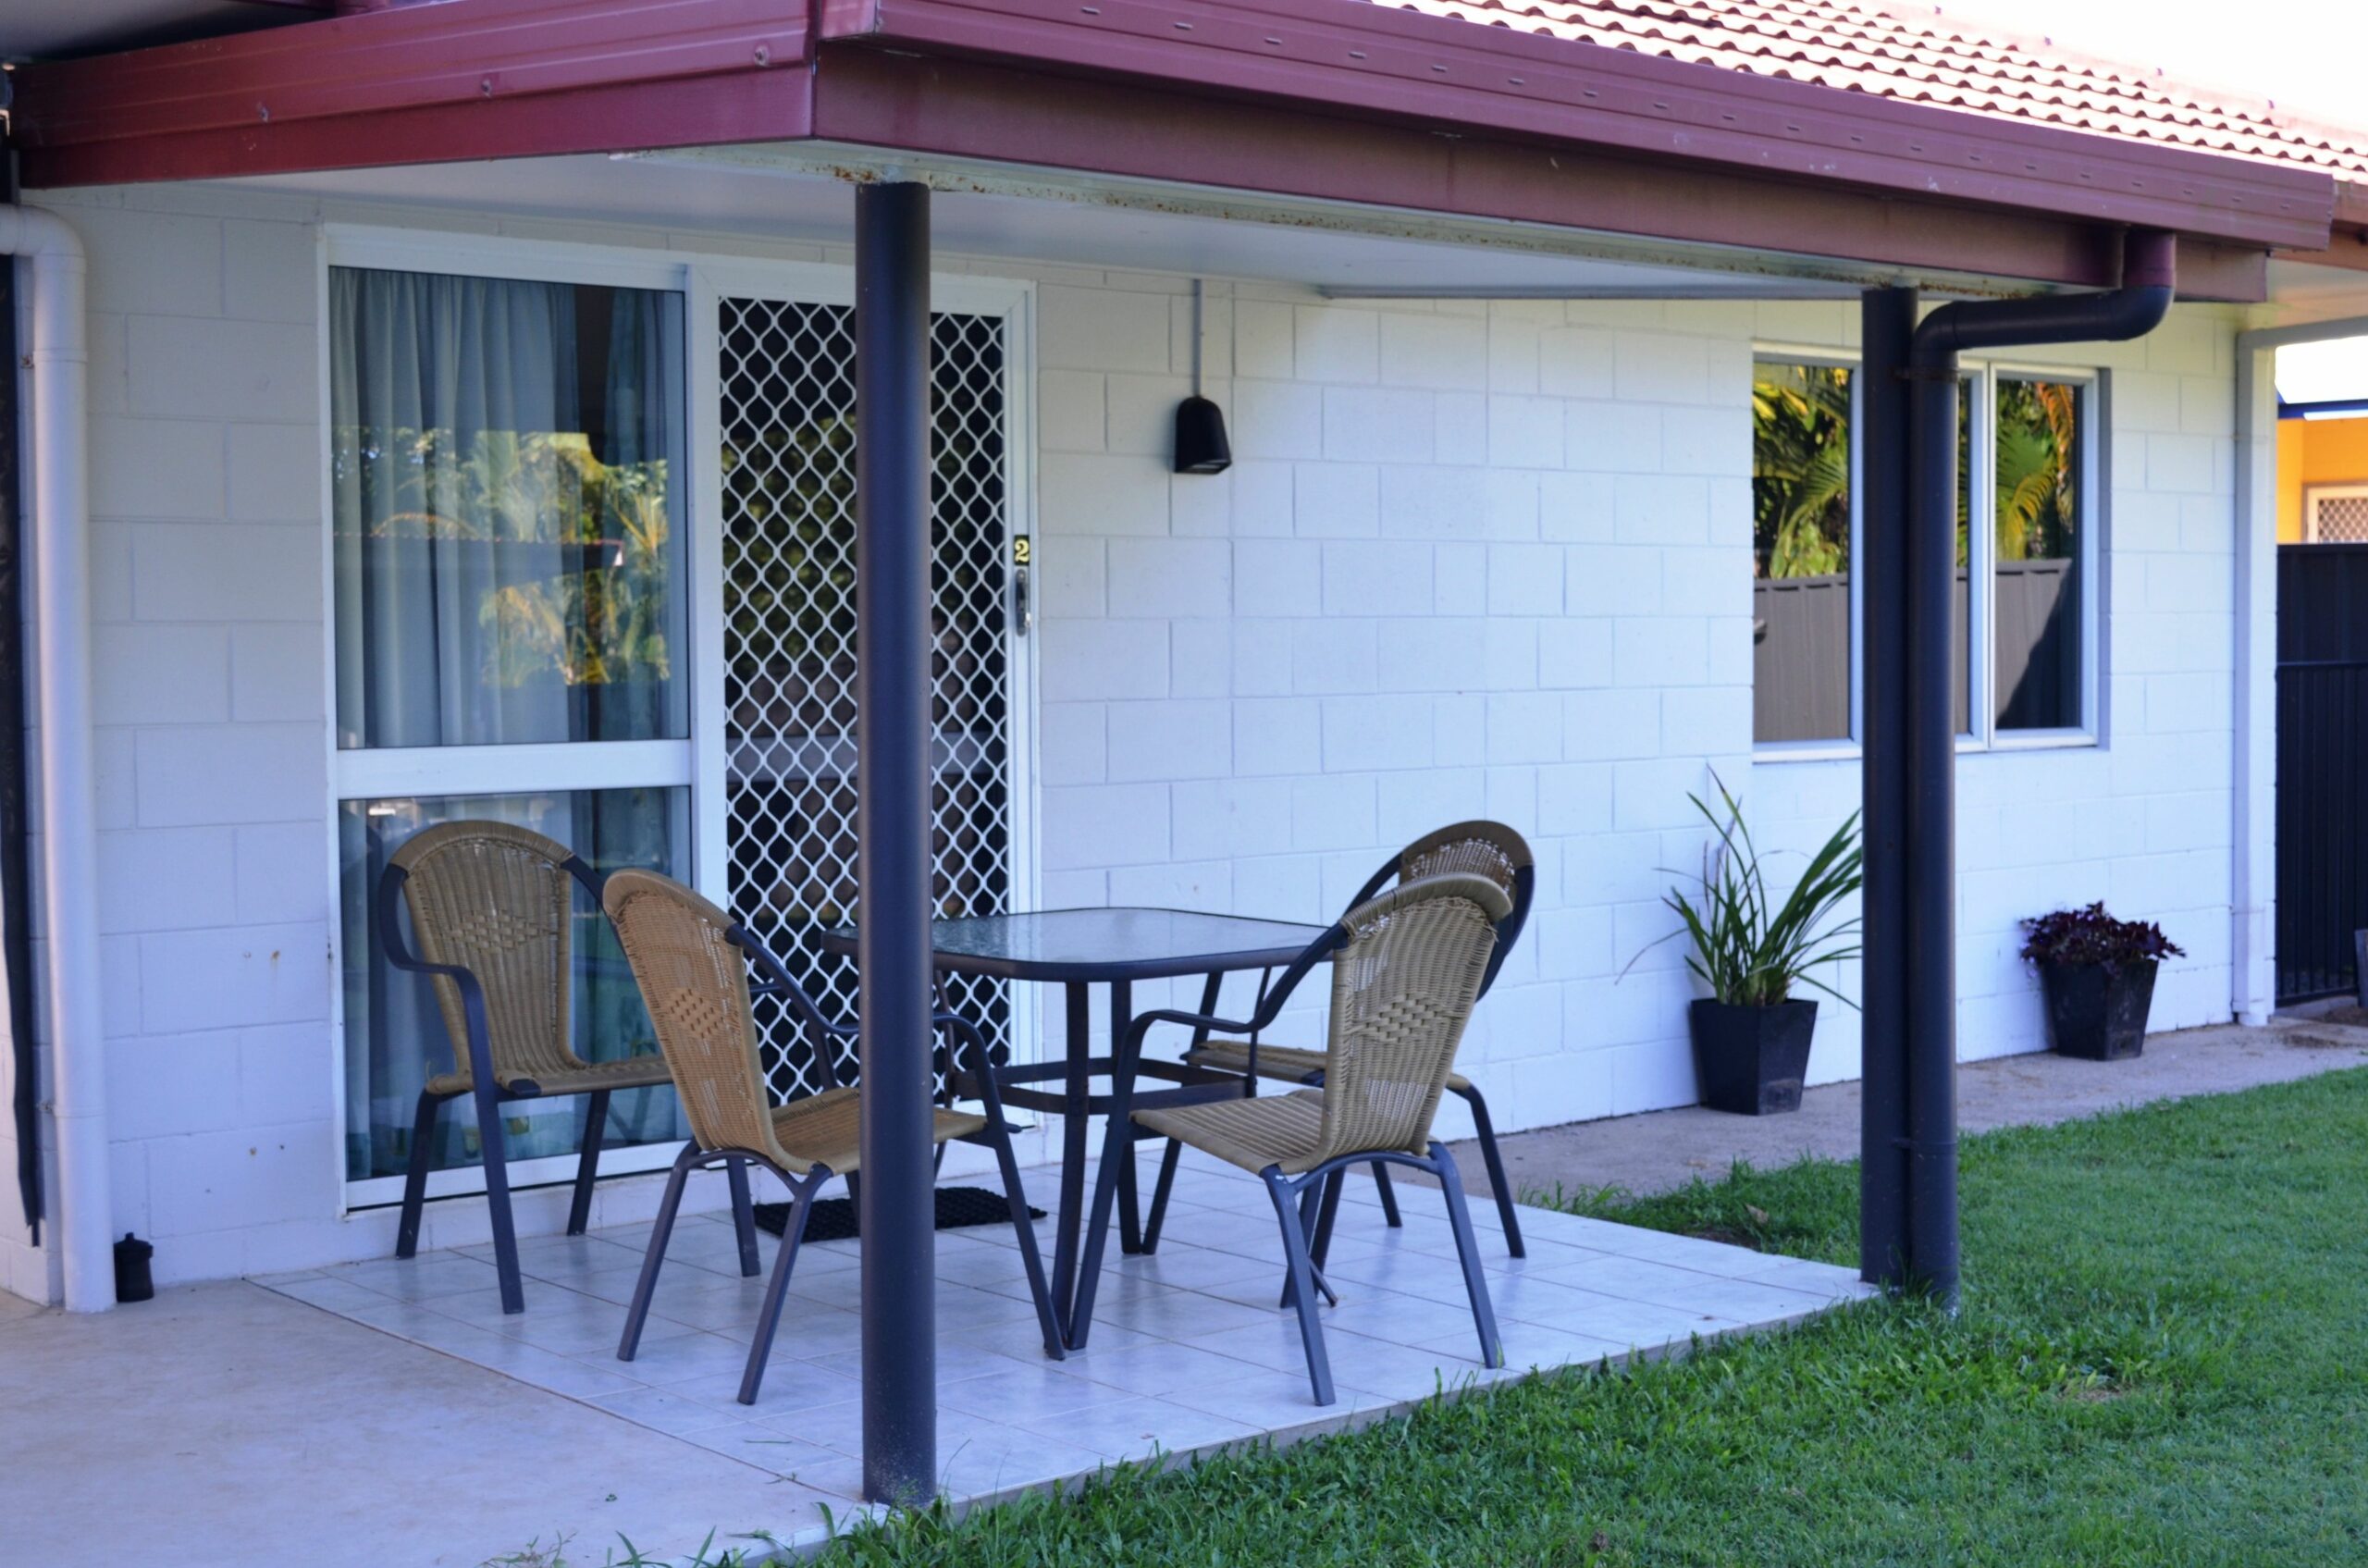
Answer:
(2088, 563)
(1980, 379)
(696, 763)
(1845, 745)
(2313, 494)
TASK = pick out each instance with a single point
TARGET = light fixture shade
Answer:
(1201, 446)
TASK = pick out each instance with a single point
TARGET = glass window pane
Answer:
(1800, 497)
(508, 473)
(395, 1037)
(2036, 589)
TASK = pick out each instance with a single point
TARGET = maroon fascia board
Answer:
(1370, 59)
(72, 118)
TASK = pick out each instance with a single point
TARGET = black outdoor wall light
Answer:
(1201, 444)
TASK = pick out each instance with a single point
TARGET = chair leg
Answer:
(661, 1232)
(1388, 1193)
(1031, 1261)
(1312, 1222)
(1325, 1216)
(1115, 1147)
(423, 1138)
(1507, 1210)
(587, 1162)
(1467, 1249)
(743, 1216)
(493, 1146)
(1159, 1192)
(777, 1288)
(1302, 1283)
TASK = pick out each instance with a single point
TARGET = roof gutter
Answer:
(61, 653)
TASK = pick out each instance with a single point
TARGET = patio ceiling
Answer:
(798, 193)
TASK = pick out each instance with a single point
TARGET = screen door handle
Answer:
(1023, 608)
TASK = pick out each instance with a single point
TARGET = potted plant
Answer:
(2098, 976)
(1753, 949)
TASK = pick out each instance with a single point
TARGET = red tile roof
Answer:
(1923, 55)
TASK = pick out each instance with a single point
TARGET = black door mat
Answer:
(833, 1218)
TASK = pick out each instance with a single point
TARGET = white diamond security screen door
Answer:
(787, 381)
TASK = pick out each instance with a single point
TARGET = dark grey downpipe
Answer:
(1914, 763)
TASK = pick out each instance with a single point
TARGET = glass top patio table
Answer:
(1078, 949)
(1097, 945)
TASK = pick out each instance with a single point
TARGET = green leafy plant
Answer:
(1752, 947)
(1800, 470)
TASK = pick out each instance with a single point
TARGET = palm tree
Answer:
(1800, 470)
(2037, 436)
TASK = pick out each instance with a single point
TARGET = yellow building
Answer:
(2317, 452)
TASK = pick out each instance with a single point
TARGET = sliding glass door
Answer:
(508, 493)
(592, 572)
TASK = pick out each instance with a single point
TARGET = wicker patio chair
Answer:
(1406, 968)
(492, 915)
(692, 962)
(1490, 849)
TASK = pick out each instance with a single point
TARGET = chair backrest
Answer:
(1403, 982)
(497, 900)
(694, 980)
(1484, 848)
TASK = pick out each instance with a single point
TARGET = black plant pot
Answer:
(1751, 1060)
(2098, 1012)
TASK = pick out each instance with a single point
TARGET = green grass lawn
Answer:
(2162, 1360)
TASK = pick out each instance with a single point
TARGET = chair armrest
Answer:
(390, 938)
(972, 1041)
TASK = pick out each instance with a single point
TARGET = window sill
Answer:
(2042, 740)
(1966, 745)
(1806, 751)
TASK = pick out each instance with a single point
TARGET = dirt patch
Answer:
(2310, 1042)
(2352, 1016)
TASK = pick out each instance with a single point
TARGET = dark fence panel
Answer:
(2322, 603)
(2322, 851)
(2322, 766)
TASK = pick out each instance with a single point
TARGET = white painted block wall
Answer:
(1473, 559)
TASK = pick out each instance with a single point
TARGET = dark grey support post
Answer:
(1928, 936)
(893, 841)
(1887, 322)
(1911, 762)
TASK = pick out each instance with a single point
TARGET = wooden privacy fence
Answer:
(1801, 650)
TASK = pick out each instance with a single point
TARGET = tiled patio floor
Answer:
(1188, 1349)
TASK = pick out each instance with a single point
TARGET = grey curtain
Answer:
(507, 471)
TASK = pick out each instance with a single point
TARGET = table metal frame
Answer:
(1023, 1084)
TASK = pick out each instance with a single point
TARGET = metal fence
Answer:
(2322, 766)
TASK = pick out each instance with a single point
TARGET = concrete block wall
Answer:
(1472, 558)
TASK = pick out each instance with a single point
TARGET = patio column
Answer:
(897, 1213)
(1887, 322)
